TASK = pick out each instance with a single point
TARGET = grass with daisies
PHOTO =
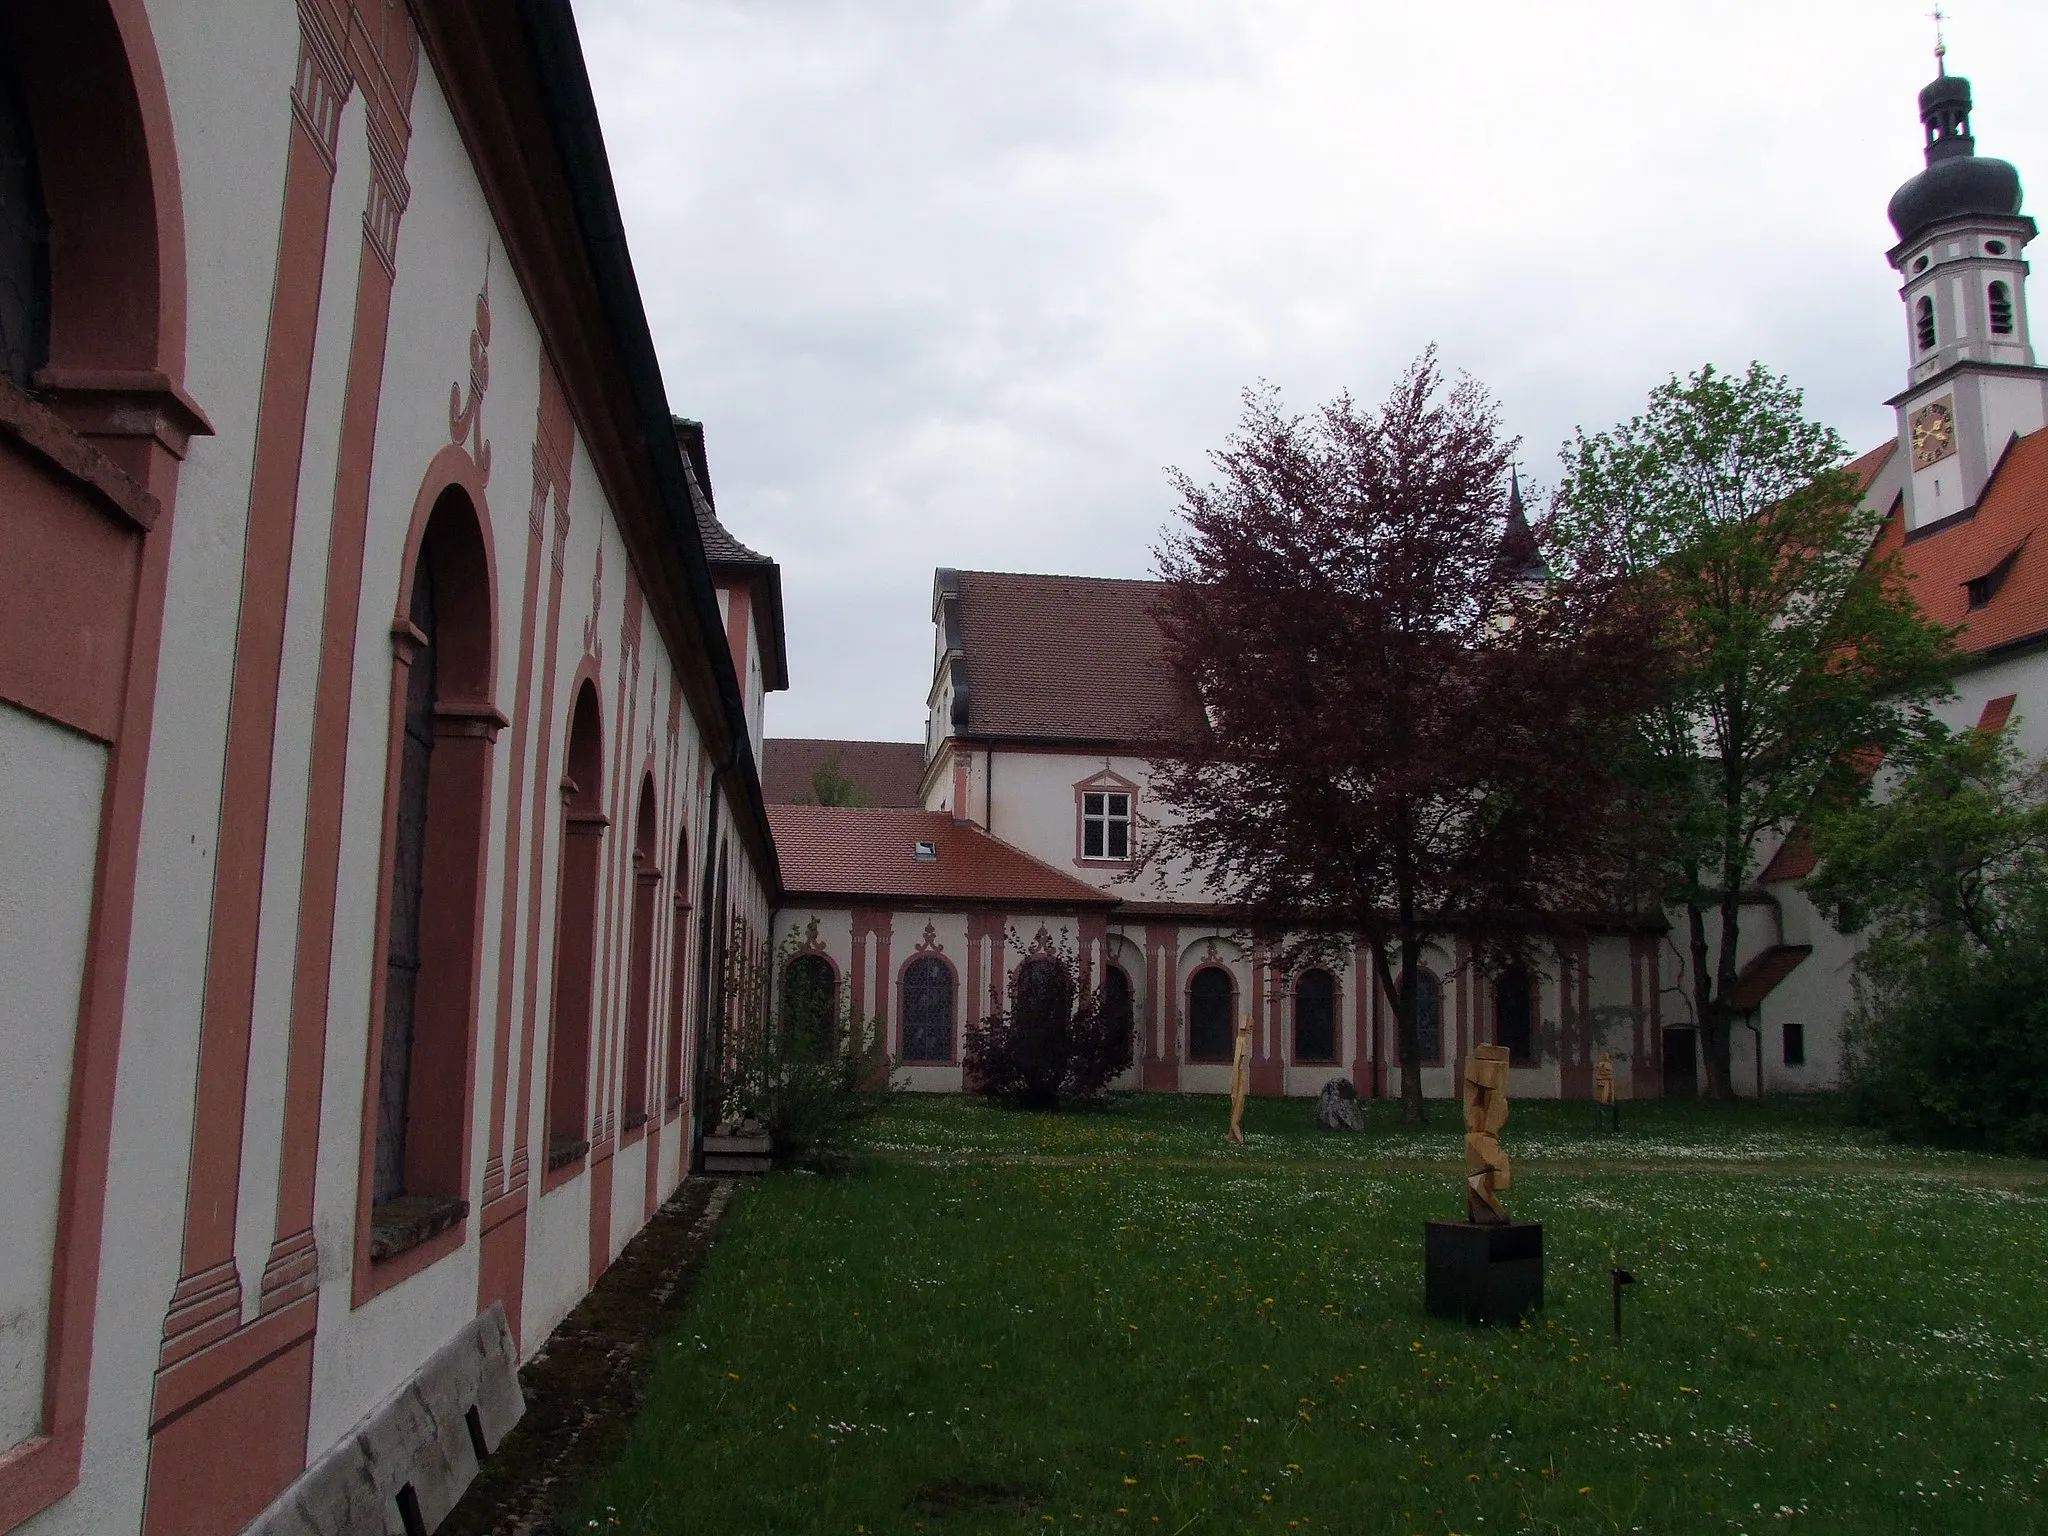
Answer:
(1006, 1322)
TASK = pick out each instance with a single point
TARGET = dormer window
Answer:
(1923, 323)
(1981, 589)
(926, 851)
(1105, 825)
(2001, 310)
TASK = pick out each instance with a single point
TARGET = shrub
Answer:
(1949, 1041)
(1057, 1039)
(808, 1068)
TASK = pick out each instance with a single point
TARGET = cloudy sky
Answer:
(951, 282)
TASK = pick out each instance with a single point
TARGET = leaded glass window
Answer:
(24, 273)
(1429, 1018)
(408, 878)
(1315, 1016)
(928, 1010)
(1105, 825)
(809, 1003)
(1514, 1015)
(1209, 1031)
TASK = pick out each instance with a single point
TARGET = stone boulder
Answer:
(1337, 1110)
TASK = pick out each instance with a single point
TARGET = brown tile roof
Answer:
(886, 772)
(1794, 859)
(842, 851)
(1863, 470)
(1070, 658)
(1763, 974)
(1990, 555)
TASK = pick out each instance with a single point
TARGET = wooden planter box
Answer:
(742, 1148)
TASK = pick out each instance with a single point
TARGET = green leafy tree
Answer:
(831, 784)
(1956, 848)
(1795, 650)
(1947, 875)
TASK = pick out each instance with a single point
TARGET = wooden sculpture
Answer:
(1603, 1080)
(1240, 1078)
(1486, 1111)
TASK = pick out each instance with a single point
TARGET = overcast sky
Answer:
(951, 282)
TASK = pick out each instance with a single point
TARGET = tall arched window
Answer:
(1315, 1016)
(810, 1004)
(434, 865)
(927, 1010)
(24, 243)
(2001, 310)
(1923, 323)
(678, 974)
(1429, 1019)
(1209, 1007)
(640, 988)
(1514, 1015)
(1118, 1010)
(583, 824)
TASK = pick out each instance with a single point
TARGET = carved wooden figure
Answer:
(1603, 1079)
(1486, 1111)
(1240, 1078)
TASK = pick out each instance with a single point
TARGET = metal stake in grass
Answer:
(1620, 1278)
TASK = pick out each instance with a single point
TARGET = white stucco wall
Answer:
(49, 836)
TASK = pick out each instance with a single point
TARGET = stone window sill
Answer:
(635, 1120)
(565, 1150)
(405, 1223)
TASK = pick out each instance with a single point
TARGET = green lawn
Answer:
(1004, 1322)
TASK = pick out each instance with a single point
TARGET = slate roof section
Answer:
(1063, 658)
(887, 772)
(843, 852)
(1999, 548)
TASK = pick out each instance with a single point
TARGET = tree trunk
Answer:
(1718, 1028)
(1702, 973)
(1400, 993)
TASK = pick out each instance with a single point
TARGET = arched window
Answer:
(1315, 1016)
(433, 928)
(24, 243)
(678, 974)
(640, 987)
(1923, 323)
(810, 1004)
(1429, 1019)
(1514, 1015)
(2001, 310)
(1118, 1011)
(583, 824)
(927, 1022)
(1209, 1008)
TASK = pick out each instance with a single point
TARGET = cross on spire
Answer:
(1938, 16)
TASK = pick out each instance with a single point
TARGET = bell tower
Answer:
(1972, 383)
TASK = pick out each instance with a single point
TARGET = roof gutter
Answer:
(557, 55)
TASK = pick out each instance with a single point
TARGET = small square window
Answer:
(1105, 825)
(927, 852)
(1795, 1045)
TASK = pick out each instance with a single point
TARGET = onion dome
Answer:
(1958, 182)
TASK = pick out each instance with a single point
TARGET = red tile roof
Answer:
(1996, 712)
(1763, 974)
(886, 772)
(1794, 859)
(1864, 470)
(1070, 658)
(1993, 548)
(843, 851)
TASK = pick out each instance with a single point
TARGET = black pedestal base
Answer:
(1482, 1274)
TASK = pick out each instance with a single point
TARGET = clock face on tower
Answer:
(1934, 431)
